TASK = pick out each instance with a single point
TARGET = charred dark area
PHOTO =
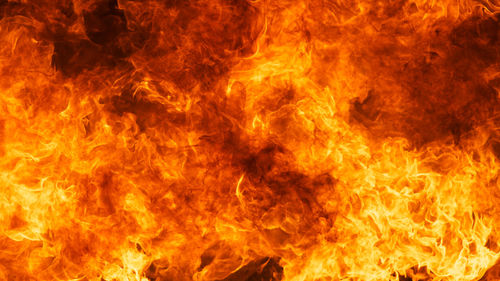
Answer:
(492, 274)
(266, 269)
(173, 35)
(443, 93)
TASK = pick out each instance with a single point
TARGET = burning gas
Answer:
(250, 140)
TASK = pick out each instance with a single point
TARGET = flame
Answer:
(250, 140)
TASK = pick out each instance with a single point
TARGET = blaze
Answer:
(250, 140)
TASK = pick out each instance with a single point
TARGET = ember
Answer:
(250, 140)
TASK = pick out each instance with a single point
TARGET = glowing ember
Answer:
(250, 140)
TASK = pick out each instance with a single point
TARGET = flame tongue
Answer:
(249, 140)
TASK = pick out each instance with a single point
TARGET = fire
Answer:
(250, 140)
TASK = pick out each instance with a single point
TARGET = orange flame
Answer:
(250, 140)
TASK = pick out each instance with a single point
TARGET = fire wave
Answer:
(249, 140)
